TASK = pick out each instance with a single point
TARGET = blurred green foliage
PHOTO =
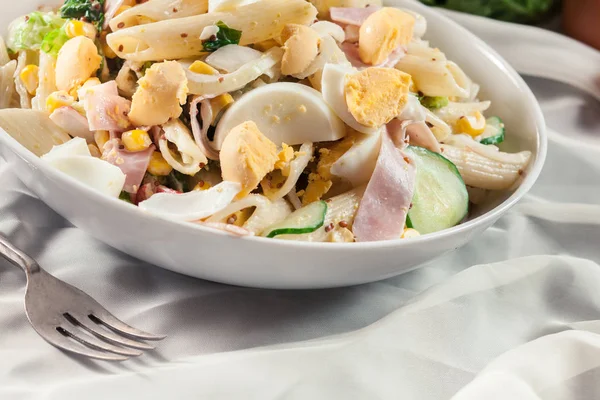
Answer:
(522, 11)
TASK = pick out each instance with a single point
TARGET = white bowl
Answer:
(205, 253)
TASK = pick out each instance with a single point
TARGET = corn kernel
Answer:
(75, 28)
(410, 233)
(200, 67)
(158, 165)
(473, 125)
(101, 137)
(122, 9)
(219, 103)
(136, 140)
(57, 100)
(94, 151)
(202, 185)
(30, 78)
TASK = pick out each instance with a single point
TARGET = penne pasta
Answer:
(47, 79)
(259, 21)
(158, 10)
(433, 74)
(483, 172)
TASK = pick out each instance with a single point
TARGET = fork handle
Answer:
(17, 257)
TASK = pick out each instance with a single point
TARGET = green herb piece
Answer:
(28, 32)
(91, 10)
(433, 102)
(125, 197)
(178, 181)
(224, 36)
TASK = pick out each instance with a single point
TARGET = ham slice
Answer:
(105, 109)
(351, 51)
(420, 135)
(75, 124)
(352, 33)
(133, 164)
(201, 133)
(351, 15)
(385, 204)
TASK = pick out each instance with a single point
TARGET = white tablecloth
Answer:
(513, 315)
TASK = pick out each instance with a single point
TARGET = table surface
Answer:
(514, 314)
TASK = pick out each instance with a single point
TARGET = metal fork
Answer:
(70, 319)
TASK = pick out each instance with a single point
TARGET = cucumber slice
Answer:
(304, 220)
(440, 199)
(494, 131)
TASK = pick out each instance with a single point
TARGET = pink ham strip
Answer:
(420, 135)
(351, 51)
(70, 121)
(385, 204)
(352, 33)
(105, 109)
(133, 164)
(201, 133)
(351, 15)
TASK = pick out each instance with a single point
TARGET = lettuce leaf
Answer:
(28, 32)
(54, 41)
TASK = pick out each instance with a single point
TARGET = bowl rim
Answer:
(492, 215)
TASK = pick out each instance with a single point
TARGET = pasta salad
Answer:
(321, 120)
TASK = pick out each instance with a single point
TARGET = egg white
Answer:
(284, 112)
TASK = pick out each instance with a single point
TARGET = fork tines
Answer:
(102, 337)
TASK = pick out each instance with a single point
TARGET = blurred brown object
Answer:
(581, 20)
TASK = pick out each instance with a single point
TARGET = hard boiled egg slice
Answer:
(358, 163)
(284, 112)
(93, 172)
(333, 83)
(194, 205)
(74, 159)
(74, 147)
